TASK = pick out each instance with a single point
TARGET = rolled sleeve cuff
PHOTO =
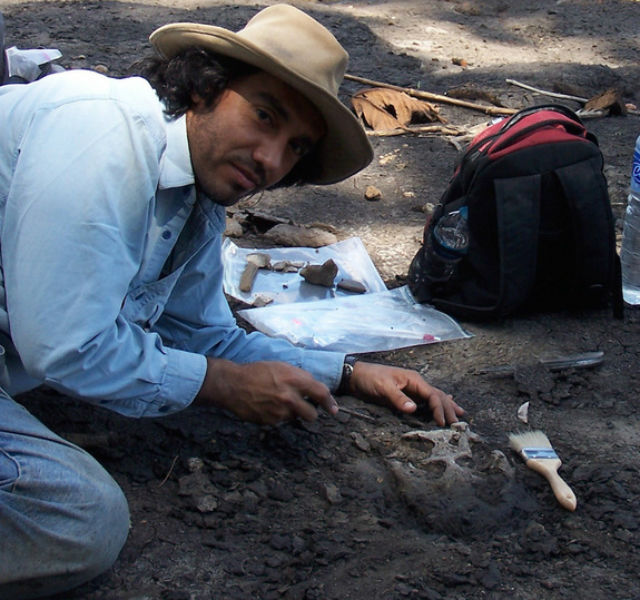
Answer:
(324, 366)
(183, 379)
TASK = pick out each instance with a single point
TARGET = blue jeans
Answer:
(63, 519)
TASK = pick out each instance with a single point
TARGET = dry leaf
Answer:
(384, 109)
(609, 99)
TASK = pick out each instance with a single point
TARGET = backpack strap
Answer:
(596, 256)
(518, 216)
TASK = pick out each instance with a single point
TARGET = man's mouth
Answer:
(246, 177)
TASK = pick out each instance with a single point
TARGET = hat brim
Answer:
(342, 152)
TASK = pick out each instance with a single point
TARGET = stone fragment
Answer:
(206, 504)
(233, 228)
(298, 235)
(194, 463)
(351, 285)
(360, 442)
(372, 193)
(323, 274)
(262, 300)
(332, 493)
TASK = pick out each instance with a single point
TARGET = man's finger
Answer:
(402, 402)
(319, 394)
(438, 413)
(303, 409)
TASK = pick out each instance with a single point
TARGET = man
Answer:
(112, 199)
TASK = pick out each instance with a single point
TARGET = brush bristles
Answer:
(529, 439)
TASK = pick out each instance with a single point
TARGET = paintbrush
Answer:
(536, 450)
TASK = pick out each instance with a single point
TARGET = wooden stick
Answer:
(546, 93)
(166, 477)
(581, 113)
(489, 110)
(358, 414)
(443, 129)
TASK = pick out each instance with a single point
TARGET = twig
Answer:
(443, 129)
(489, 110)
(585, 114)
(546, 92)
(166, 477)
(355, 413)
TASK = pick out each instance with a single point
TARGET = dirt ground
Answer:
(348, 508)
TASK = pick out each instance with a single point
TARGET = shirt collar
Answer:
(175, 166)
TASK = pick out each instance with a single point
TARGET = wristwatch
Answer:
(347, 372)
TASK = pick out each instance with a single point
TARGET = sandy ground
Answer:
(348, 507)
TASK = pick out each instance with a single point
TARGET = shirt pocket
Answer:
(145, 303)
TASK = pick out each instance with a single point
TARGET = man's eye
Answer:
(299, 148)
(263, 115)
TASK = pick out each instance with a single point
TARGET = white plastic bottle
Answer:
(630, 251)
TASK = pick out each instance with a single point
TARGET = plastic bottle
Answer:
(630, 251)
(448, 244)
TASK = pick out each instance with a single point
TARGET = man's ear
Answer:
(196, 101)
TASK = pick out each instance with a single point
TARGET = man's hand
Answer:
(264, 392)
(402, 388)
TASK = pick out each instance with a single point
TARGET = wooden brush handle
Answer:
(548, 467)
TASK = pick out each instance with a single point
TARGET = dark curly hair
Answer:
(207, 74)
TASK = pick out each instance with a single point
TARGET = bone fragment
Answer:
(287, 266)
(255, 261)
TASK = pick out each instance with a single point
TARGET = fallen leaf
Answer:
(608, 99)
(384, 109)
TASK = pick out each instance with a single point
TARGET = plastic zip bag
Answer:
(350, 256)
(365, 323)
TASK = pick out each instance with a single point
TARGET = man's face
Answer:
(253, 135)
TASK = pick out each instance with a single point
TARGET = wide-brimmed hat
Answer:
(289, 44)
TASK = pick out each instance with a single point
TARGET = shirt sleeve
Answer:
(197, 317)
(80, 199)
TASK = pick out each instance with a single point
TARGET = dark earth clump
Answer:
(347, 507)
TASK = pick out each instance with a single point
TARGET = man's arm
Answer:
(74, 226)
(273, 392)
(402, 389)
(264, 392)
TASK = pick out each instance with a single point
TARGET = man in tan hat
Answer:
(113, 196)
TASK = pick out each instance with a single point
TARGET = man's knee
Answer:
(107, 531)
(63, 519)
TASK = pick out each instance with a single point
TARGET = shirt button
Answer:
(166, 234)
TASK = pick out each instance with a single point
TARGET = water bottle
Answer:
(630, 251)
(448, 244)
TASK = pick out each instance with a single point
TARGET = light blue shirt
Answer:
(111, 279)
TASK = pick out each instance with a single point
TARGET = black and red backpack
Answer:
(540, 227)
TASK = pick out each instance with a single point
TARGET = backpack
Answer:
(537, 227)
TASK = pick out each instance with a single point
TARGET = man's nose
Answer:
(270, 153)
